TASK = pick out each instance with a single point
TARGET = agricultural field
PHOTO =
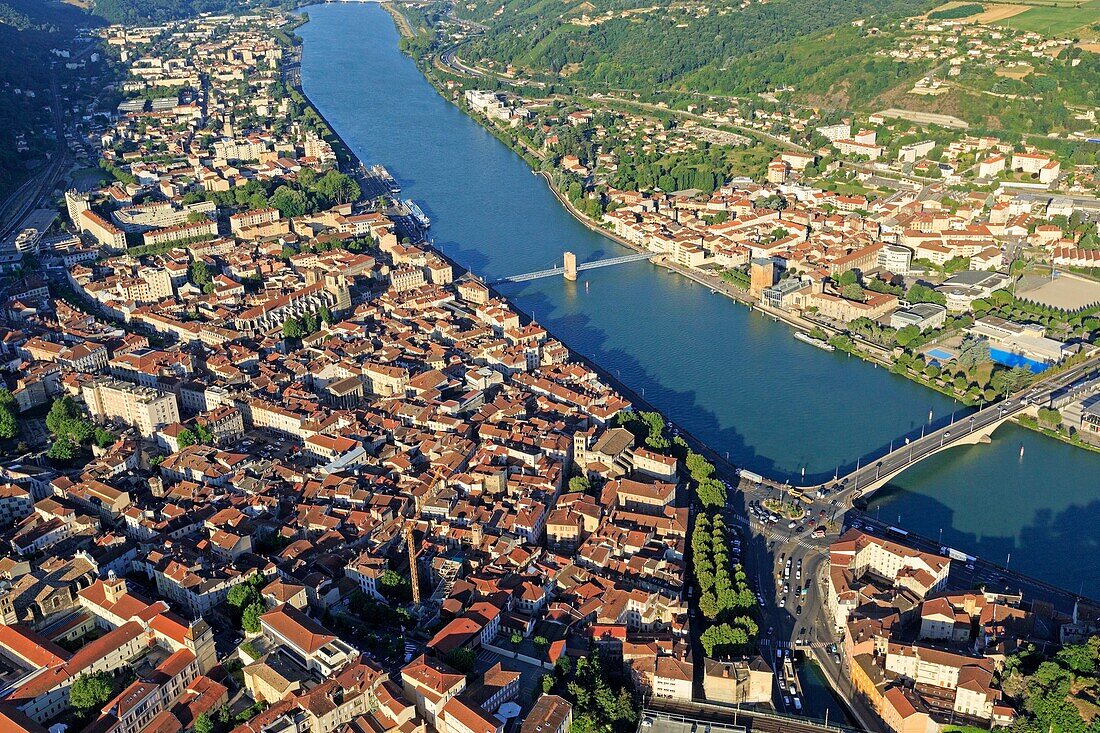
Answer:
(1056, 20)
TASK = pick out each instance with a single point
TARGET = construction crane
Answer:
(414, 572)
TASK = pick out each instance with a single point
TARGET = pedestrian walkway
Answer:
(772, 533)
(770, 643)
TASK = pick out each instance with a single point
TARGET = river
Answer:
(733, 378)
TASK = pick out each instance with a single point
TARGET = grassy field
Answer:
(1039, 3)
(1062, 20)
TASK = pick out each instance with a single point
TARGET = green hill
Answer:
(709, 47)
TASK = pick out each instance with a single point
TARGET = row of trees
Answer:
(725, 597)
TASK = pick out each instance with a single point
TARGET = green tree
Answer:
(289, 202)
(90, 691)
(919, 293)
(848, 277)
(242, 595)
(186, 438)
(853, 291)
(104, 437)
(337, 187)
(906, 334)
(579, 484)
(292, 328)
(200, 276)
(711, 493)
(61, 411)
(462, 659)
(9, 411)
(250, 619)
(204, 724)
(62, 449)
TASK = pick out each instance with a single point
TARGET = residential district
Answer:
(274, 465)
(924, 275)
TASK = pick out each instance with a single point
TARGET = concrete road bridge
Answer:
(971, 429)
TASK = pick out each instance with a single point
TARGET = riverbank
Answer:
(638, 401)
(737, 382)
(852, 343)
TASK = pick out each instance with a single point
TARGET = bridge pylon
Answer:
(570, 266)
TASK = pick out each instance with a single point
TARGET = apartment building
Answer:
(143, 408)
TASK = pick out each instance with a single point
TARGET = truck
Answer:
(954, 554)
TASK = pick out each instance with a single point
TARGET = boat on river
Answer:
(807, 339)
(388, 180)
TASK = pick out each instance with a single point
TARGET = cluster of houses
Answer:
(921, 654)
(307, 407)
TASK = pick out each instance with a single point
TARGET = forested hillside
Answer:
(644, 44)
(139, 11)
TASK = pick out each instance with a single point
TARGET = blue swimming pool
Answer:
(940, 355)
(1016, 360)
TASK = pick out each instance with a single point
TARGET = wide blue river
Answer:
(735, 379)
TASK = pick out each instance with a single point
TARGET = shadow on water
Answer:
(733, 378)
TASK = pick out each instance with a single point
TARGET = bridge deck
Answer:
(622, 260)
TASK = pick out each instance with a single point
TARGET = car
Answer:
(797, 704)
(798, 611)
(970, 566)
(770, 631)
(790, 689)
(811, 522)
(778, 653)
(832, 648)
(791, 524)
(799, 529)
(798, 575)
(786, 700)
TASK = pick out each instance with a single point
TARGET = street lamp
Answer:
(972, 423)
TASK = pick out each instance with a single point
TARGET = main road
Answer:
(968, 429)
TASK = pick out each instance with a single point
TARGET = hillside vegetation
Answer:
(639, 45)
(1059, 695)
(141, 11)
